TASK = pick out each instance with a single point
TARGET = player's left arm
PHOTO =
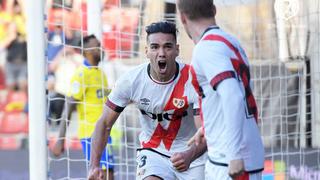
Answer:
(198, 137)
(182, 160)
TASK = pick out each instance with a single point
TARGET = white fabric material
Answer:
(231, 133)
(150, 163)
(221, 172)
(137, 87)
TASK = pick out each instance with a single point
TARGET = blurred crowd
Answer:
(66, 24)
(13, 46)
(13, 74)
(64, 42)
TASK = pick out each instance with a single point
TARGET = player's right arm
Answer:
(118, 99)
(99, 141)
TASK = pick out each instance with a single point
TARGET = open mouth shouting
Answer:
(162, 64)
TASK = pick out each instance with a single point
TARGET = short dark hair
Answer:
(162, 27)
(86, 40)
(197, 9)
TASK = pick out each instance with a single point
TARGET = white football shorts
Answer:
(152, 163)
(219, 172)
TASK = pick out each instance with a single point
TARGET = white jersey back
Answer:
(216, 57)
(166, 119)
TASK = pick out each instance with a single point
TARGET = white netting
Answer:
(281, 39)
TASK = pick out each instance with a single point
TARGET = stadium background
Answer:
(284, 53)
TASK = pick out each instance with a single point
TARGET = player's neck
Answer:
(163, 78)
(199, 27)
(92, 62)
(160, 80)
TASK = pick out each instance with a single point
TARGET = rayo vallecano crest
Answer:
(179, 103)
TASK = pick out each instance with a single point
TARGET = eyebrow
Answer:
(167, 43)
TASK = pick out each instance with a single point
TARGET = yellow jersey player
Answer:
(87, 93)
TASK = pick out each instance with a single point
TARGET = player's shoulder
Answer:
(134, 73)
(139, 68)
(214, 44)
(182, 65)
(79, 72)
(218, 38)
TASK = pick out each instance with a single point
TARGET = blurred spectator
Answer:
(5, 36)
(62, 68)
(56, 39)
(62, 61)
(19, 18)
(16, 64)
(62, 58)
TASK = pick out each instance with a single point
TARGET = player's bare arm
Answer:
(236, 168)
(99, 141)
(70, 105)
(197, 138)
(182, 160)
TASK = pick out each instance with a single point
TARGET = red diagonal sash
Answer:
(242, 70)
(168, 135)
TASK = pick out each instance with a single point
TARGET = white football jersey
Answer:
(166, 118)
(231, 131)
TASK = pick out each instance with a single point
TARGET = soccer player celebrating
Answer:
(88, 93)
(162, 89)
(229, 109)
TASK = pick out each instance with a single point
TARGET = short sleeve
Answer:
(120, 95)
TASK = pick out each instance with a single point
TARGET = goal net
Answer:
(281, 39)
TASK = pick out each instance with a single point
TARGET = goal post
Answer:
(36, 88)
(94, 18)
(284, 56)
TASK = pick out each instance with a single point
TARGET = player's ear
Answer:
(85, 54)
(146, 50)
(214, 10)
(183, 18)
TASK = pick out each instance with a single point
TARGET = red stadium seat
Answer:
(118, 39)
(16, 101)
(9, 143)
(17, 96)
(14, 122)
